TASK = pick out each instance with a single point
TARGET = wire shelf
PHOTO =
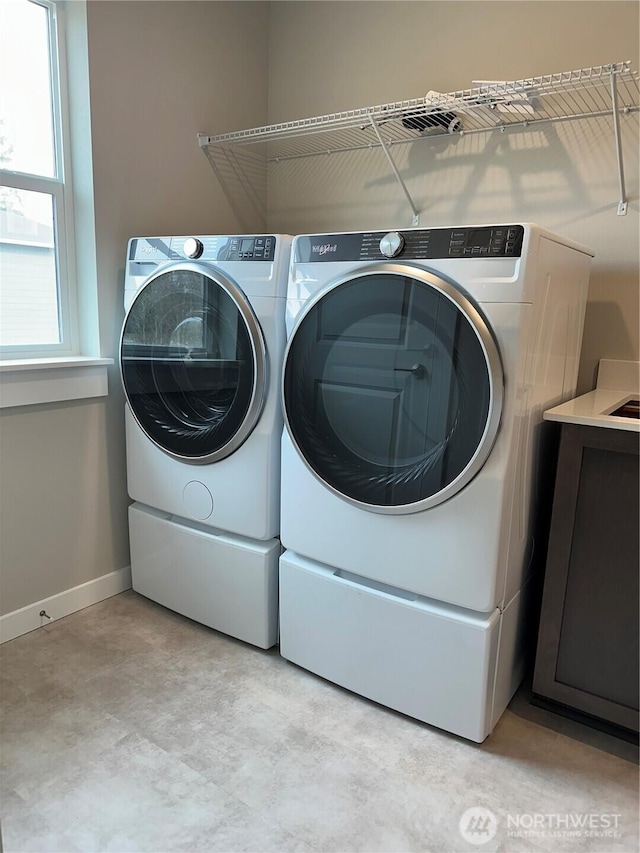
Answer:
(605, 90)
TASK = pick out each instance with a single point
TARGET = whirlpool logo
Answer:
(324, 249)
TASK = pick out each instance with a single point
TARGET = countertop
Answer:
(618, 382)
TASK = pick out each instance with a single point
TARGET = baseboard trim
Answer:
(28, 618)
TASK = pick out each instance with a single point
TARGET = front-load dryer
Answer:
(416, 373)
(200, 356)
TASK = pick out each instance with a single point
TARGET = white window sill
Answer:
(27, 381)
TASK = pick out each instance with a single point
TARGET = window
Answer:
(37, 282)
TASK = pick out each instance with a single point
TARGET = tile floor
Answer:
(128, 728)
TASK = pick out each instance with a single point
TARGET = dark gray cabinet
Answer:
(587, 653)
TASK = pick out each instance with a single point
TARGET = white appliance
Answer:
(416, 373)
(200, 356)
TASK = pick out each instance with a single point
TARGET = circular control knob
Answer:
(193, 247)
(392, 244)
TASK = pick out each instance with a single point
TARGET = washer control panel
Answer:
(193, 247)
(485, 241)
(250, 249)
(244, 247)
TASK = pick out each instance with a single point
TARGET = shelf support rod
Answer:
(622, 204)
(385, 148)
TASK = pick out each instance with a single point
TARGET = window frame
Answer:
(60, 188)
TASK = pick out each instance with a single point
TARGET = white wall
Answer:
(160, 72)
(328, 57)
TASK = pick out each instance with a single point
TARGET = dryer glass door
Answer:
(393, 389)
(193, 363)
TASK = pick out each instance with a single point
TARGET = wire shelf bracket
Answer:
(622, 204)
(241, 158)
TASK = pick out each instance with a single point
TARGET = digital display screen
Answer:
(479, 237)
(246, 246)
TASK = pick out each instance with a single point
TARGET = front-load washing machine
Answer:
(417, 369)
(200, 356)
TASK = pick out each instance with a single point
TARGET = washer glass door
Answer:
(193, 363)
(393, 389)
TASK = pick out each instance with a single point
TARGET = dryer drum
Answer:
(387, 392)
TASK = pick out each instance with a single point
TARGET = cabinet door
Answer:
(587, 655)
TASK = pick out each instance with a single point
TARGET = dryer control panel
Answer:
(486, 241)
